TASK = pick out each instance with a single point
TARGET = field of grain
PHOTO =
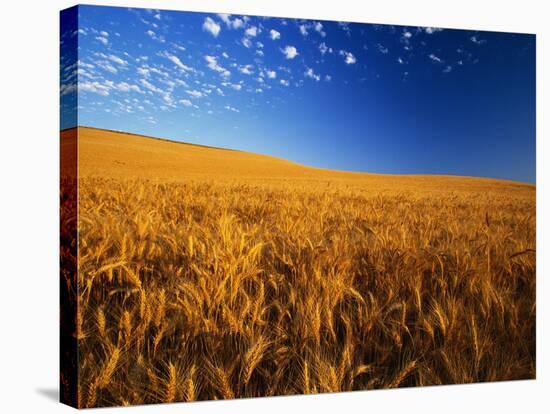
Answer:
(213, 274)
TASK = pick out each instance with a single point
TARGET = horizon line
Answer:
(175, 141)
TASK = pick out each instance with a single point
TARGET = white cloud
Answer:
(271, 74)
(211, 26)
(103, 40)
(237, 23)
(157, 16)
(107, 66)
(290, 52)
(274, 34)
(143, 71)
(303, 30)
(328, 78)
(259, 45)
(195, 93)
(477, 40)
(176, 61)
(225, 55)
(309, 73)
(447, 69)
(167, 98)
(284, 82)
(231, 24)
(186, 102)
(400, 60)
(68, 88)
(159, 72)
(323, 48)
(231, 108)
(126, 87)
(252, 31)
(246, 69)
(212, 63)
(154, 36)
(117, 60)
(84, 65)
(94, 87)
(104, 33)
(435, 58)
(259, 52)
(348, 57)
(432, 30)
(406, 39)
(235, 86)
(382, 49)
(319, 29)
(150, 86)
(226, 18)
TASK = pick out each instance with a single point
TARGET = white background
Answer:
(29, 204)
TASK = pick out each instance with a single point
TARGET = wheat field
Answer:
(203, 273)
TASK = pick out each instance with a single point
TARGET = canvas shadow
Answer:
(51, 394)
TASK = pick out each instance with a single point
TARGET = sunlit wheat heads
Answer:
(217, 288)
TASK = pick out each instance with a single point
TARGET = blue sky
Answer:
(360, 97)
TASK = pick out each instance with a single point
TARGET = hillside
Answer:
(111, 154)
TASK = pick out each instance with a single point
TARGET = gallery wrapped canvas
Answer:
(261, 206)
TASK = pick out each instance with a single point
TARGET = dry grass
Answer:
(232, 285)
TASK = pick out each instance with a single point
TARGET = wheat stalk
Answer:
(253, 357)
(104, 378)
(171, 383)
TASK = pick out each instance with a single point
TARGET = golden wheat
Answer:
(209, 288)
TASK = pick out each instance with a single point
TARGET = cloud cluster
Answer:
(211, 27)
(435, 58)
(309, 73)
(212, 63)
(349, 58)
(290, 52)
(431, 30)
(475, 39)
(170, 79)
(246, 69)
(235, 23)
(274, 34)
(304, 28)
(176, 61)
(323, 48)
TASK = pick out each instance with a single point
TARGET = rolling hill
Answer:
(111, 154)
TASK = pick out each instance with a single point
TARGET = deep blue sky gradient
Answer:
(407, 100)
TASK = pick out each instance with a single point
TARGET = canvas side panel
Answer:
(68, 207)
